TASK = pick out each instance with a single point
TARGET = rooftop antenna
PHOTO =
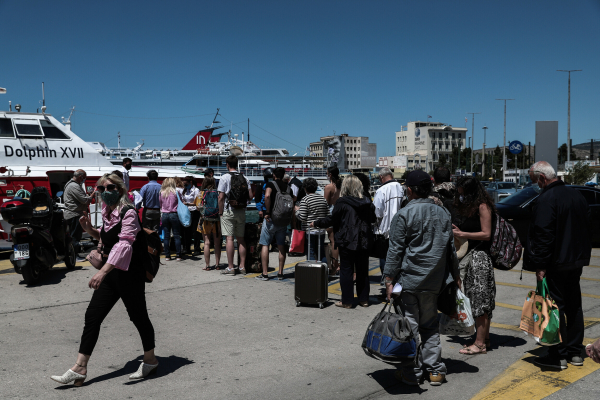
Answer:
(215, 118)
(43, 99)
(67, 122)
(119, 140)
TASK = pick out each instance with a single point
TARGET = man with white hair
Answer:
(558, 247)
(388, 200)
(76, 203)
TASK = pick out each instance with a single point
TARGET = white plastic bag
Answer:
(461, 323)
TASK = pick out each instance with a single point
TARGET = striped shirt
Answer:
(312, 207)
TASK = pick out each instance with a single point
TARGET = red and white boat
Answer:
(38, 150)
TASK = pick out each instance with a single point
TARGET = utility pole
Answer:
(473, 136)
(504, 147)
(569, 112)
(483, 160)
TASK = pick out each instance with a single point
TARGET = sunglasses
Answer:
(110, 187)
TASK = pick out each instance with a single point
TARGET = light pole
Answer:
(473, 135)
(483, 159)
(569, 112)
(504, 147)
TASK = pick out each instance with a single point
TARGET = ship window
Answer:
(28, 127)
(6, 129)
(52, 132)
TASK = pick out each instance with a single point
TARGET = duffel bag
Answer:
(389, 337)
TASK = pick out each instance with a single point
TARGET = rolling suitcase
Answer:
(311, 280)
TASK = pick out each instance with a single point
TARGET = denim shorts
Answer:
(271, 232)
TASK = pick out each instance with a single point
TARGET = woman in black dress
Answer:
(473, 220)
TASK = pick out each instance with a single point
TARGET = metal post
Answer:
(473, 136)
(569, 112)
(483, 158)
(504, 147)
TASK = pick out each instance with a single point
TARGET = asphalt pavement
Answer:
(221, 337)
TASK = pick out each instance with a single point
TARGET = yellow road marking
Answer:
(593, 296)
(505, 305)
(337, 290)
(529, 272)
(276, 270)
(523, 380)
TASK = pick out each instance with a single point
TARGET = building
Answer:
(424, 142)
(353, 153)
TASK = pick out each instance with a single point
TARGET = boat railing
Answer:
(301, 172)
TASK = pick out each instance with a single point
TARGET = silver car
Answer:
(501, 190)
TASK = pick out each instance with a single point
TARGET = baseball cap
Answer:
(417, 178)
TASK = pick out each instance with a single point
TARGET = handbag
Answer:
(96, 258)
(389, 337)
(540, 317)
(297, 241)
(380, 247)
(183, 212)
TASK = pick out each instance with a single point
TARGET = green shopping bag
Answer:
(547, 332)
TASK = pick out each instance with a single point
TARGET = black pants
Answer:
(151, 219)
(349, 261)
(191, 232)
(76, 232)
(129, 287)
(566, 292)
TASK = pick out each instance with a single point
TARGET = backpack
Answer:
(283, 207)
(211, 204)
(506, 248)
(238, 194)
(148, 246)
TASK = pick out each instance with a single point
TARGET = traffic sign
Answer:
(515, 147)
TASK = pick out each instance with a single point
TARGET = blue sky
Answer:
(302, 69)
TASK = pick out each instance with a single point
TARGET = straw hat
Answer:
(461, 245)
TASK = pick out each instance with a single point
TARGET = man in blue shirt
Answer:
(260, 205)
(150, 195)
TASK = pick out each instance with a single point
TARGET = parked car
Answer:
(501, 190)
(517, 209)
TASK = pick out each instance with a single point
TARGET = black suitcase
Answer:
(311, 280)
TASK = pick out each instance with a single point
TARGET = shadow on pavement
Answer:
(167, 365)
(53, 277)
(387, 380)
(496, 340)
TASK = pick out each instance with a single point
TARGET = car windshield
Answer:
(521, 196)
(504, 185)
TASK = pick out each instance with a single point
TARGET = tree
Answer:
(562, 153)
(404, 175)
(580, 174)
(442, 161)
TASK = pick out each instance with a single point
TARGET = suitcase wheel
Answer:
(298, 304)
(321, 306)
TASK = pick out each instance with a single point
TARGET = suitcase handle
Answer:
(319, 246)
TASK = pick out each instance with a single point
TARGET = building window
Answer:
(459, 135)
(446, 135)
(453, 135)
(440, 135)
(446, 146)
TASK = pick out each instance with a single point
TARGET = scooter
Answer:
(39, 234)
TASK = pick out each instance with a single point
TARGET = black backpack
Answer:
(238, 194)
(283, 206)
(148, 246)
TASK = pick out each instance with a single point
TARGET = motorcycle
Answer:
(39, 234)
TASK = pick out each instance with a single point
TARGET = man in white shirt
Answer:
(233, 213)
(388, 200)
(125, 170)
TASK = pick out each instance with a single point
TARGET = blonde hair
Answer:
(168, 187)
(352, 186)
(124, 198)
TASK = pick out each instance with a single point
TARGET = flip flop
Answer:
(469, 352)
(207, 268)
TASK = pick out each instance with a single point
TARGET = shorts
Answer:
(271, 231)
(233, 222)
(209, 227)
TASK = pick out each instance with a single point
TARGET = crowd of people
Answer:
(428, 232)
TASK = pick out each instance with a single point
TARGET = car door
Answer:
(593, 199)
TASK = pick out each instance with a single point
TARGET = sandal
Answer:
(168, 259)
(207, 268)
(470, 352)
(340, 304)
